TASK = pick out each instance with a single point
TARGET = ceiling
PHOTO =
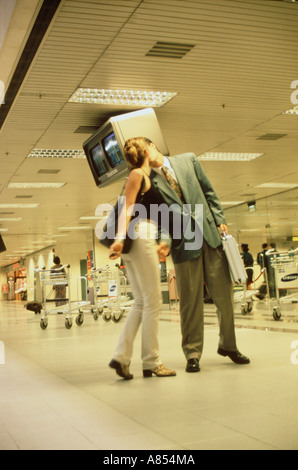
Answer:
(233, 86)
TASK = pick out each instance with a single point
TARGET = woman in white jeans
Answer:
(142, 264)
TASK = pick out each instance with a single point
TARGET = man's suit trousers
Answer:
(212, 268)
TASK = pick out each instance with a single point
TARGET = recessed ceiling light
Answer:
(122, 97)
(35, 185)
(229, 156)
(18, 206)
(52, 153)
(278, 185)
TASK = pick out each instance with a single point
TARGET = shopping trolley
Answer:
(110, 293)
(285, 266)
(58, 277)
(244, 296)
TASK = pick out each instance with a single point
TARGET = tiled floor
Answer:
(56, 391)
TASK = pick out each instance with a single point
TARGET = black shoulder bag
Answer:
(110, 228)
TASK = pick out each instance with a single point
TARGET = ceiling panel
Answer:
(233, 87)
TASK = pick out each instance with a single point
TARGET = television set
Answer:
(2, 246)
(104, 149)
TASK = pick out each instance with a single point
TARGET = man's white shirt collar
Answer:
(167, 164)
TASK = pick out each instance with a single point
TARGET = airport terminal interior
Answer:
(217, 78)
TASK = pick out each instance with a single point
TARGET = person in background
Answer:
(142, 266)
(262, 261)
(248, 262)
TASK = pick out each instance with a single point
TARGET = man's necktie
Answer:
(172, 182)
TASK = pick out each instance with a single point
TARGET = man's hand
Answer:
(163, 250)
(116, 250)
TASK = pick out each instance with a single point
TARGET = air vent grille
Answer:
(170, 50)
(86, 130)
(271, 136)
(48, 172)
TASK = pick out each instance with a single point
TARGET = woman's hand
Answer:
(163, 250)
(116, 250)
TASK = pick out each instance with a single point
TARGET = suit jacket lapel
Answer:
(180, 169)
(163, 186)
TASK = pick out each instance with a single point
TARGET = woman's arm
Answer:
(132, 188)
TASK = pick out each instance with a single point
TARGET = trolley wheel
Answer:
(244, 309)
(107, 316)
(68, 323)
(80, 319)
(117, 317)
(43, 323)
(100, 311)
(250, 306)
(95, 315)
(276, 313)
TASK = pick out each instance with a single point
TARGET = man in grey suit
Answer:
(197, 260)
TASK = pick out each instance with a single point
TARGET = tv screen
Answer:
(98, 160)
(112, 150)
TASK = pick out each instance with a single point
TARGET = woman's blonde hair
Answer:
(135, 151)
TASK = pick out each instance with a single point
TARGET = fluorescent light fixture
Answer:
(229, 157)
(55, 236)
(35, 185)
(278, 185)
(18, 206)
(293, 110)
(122, 97)
(3, 229)
(13, 219)
(75, 228)
(91, 217)
(52, 153)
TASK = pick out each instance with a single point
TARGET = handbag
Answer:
(34, 306)
(110, 228)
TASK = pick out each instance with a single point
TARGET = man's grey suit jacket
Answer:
(197, 190)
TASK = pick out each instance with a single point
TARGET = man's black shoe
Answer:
(192, 365)
(235, 356)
